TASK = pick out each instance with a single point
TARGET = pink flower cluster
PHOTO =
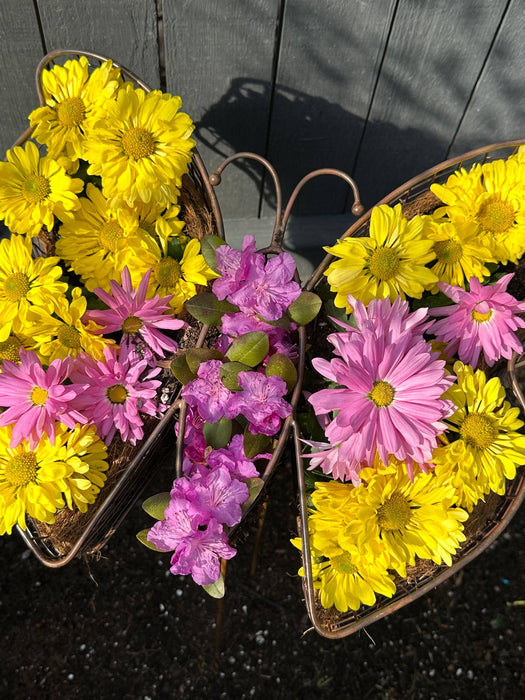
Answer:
(205, 500)
(111, 394)
(389, 400)
(254, 284)
(208, 498)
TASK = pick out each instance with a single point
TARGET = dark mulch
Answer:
(122, 627)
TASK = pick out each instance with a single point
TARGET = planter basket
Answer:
(130, 467)
(488, 519)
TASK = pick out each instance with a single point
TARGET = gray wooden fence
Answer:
(382, 89)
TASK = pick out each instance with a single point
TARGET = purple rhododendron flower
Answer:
(208, 394)
(200, 555)
(261, 402)
(36, 397)
(233, 458)
(139, 319)
(112, 394)
(482, 319)
(218, 496)
(233, 266)
(197, 548)
(194, 440)
(269, 288)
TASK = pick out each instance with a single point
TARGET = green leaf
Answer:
(209, 245)
(196, 356)
(206, 308)
(431, 301)
(255, 444)
(181, 371)
(250, 348)
(332, 311)
(142, 537)
(175, 249)
(310, 427)
(229, 374)
(255, 485)
(218, 434)
(216, 590)
(280, 364)
(305, 308)
(156, 505)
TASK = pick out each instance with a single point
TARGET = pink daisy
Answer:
(389, 398)
(35, 398)
(483, 319)
(112, 394)
(138, 318)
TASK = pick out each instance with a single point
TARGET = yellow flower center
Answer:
(167, 272)
(496, 216)
(71, 111)
(342, 563)
(69, 336)
(394, 514)
(383, 263)
(9, 349)
(479, 430)
(109, 235)
(16, 286)
(448, 252)
(382, 394)
(138, 143)
(481, 317)
(21, 469)
(39, 396)
(132, 325)
(117, 393)
(36, 188)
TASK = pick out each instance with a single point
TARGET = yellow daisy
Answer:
(101, 240)
(460, 253)
(29, 482)
(390, 262)
(488, 448)
(345, 579)
(65, 333)
(411, 518)
(493, 196)
(10, 349)
(75, 99)
(161, 225)
(178, 278)
(142, 148)
(86, 455)
(25, 283)
(34, 190)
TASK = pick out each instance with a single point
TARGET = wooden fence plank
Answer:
(497, 109)
(20, 52)
(434, 56)
(219, 60)
(328, 65)
(125, 30)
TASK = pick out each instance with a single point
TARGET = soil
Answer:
(122, 626)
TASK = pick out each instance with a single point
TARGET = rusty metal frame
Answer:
(350, 622)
